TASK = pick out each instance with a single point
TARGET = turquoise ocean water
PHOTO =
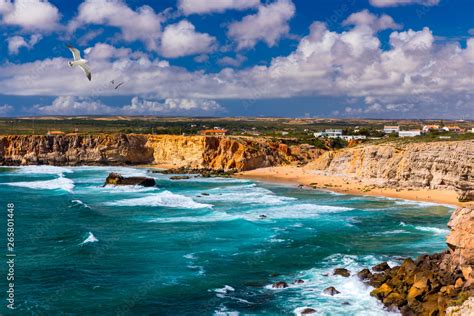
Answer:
(199, 246)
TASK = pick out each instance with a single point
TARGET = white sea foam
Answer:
(124, 188)
(434, 230)
(310, 293)
(91, 238)
(226, 289)
(79, 203)
(247, 195)
(208, 218)
(60, 183)
(165, 199)
(43, 170)
(305, 210)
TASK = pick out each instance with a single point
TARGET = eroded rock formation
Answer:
(434, 165)
(433, 284)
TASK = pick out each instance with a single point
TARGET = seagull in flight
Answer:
(116, 85)
(78, 61)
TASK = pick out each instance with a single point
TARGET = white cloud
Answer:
(17, 42)
(269, 24)
(207, 6)
(5, 109)
(172, 106)
(181, 39)
(142, 24)
(71, 105)
(376, 23)
(393, 3)
(106, 51)
(233, 62)
(30, 15)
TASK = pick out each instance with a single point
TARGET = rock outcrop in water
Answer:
(434, 165)
(199, 152)
(433, 284)
(117, 179)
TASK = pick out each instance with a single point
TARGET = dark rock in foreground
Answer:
(180, 177)
(342, 272)
(381, 267)
(331, 291)
(279, 285)
(117, 179)
(308, 311)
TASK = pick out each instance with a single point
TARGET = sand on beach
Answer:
(342, 184)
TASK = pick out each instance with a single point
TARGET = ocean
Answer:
(200, 246)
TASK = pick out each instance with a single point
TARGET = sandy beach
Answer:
(311, 178)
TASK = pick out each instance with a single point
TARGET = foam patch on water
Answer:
(123, 188)
(43, 170)
(248, 195)
(79, 203)
(90, 239)
(434, 230)
(60, 183)
(208, 218)
(164, 199)
(294, 211)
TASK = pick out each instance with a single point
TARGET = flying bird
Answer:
(78, 61)
(116, 86)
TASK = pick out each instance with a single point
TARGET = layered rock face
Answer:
(102, 149)
(433, 284)
(435, 165)
(200, 152)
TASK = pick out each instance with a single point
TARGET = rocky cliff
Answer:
(179, 151)
(436, 284)
(434, 165)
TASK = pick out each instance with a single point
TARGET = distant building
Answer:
(472, 130)
(391, 129)
(56, 133)
(284, 133)
(428, 128)
(329, 133)
(444, 137)
(454, 128)
(353, 137)
(412, 133)
(214, 132)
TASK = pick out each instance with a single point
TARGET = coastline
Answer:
(340, 184)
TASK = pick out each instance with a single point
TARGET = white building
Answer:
(333, 133)
(412, 133)
(391, 129)
(353, 137)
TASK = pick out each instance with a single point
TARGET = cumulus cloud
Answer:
(142, 24)
(376, 23)
(17, 42)
(172, 106)
(412, 72)
(30, 15)
(205, 6)
(269, 24)
(5, 109)
(181, 39)
(71, 105)
(394, 3)
(232, 62)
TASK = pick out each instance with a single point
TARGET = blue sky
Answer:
(325, 58)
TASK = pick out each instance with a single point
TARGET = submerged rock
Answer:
(342, 272)
(331, 291)
(279, 285)
(117, 179)
(308, 311)
(180, 177)
(298, 281)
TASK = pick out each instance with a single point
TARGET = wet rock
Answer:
(180, 177)
(364, 274)
(279, 285)
(205, 194)
(298, 281)
(331, 291)
(117, 179)
(342, 272)
(308, 311)
(262, 216)
(381, 267)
